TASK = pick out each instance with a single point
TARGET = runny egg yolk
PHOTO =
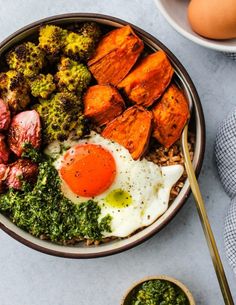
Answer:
(88, 169)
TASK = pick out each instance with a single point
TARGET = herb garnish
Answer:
(31, 153)
(43, 211)
(159, 292)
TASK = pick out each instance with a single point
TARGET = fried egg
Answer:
(134, 193)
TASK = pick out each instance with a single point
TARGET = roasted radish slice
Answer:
(3, 175)
(25, 128)
(4, 151)
(5, 115)
(21, 171)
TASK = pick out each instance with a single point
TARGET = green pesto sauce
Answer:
(31, 153)
(119, 198)
(43, 211)
(159, 292)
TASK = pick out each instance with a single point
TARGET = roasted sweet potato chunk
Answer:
(102, 103)
(147, 82)
(131, 129)
(170, 116)
(115, 55)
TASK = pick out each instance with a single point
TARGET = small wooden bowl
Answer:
(126, 300)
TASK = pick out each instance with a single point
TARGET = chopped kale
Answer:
(31, 153)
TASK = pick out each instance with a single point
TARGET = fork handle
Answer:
(219, 269)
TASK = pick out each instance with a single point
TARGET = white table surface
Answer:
(31, 278)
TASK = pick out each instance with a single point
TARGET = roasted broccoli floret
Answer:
(14, 90)
(91, 29)
(26, 58)
(81, 45)
(51, 39)
(78, 46)
(42, 85)
(60, 116)
(72, 75)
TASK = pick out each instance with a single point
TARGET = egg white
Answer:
(148, 184)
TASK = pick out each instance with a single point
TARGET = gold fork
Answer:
(219, 269)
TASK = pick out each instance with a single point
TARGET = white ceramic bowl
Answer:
(175, 12)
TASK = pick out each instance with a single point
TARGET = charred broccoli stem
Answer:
(72, 75)
(42, 86)
(14, 90)
(26, 58)
(81, 45)
(91, 29)
(60, 116)
(51, 39)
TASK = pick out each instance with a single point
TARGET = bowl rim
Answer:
(198, 109)
(197, 39)
(163, 277)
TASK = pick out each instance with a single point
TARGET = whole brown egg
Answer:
(215, 19)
